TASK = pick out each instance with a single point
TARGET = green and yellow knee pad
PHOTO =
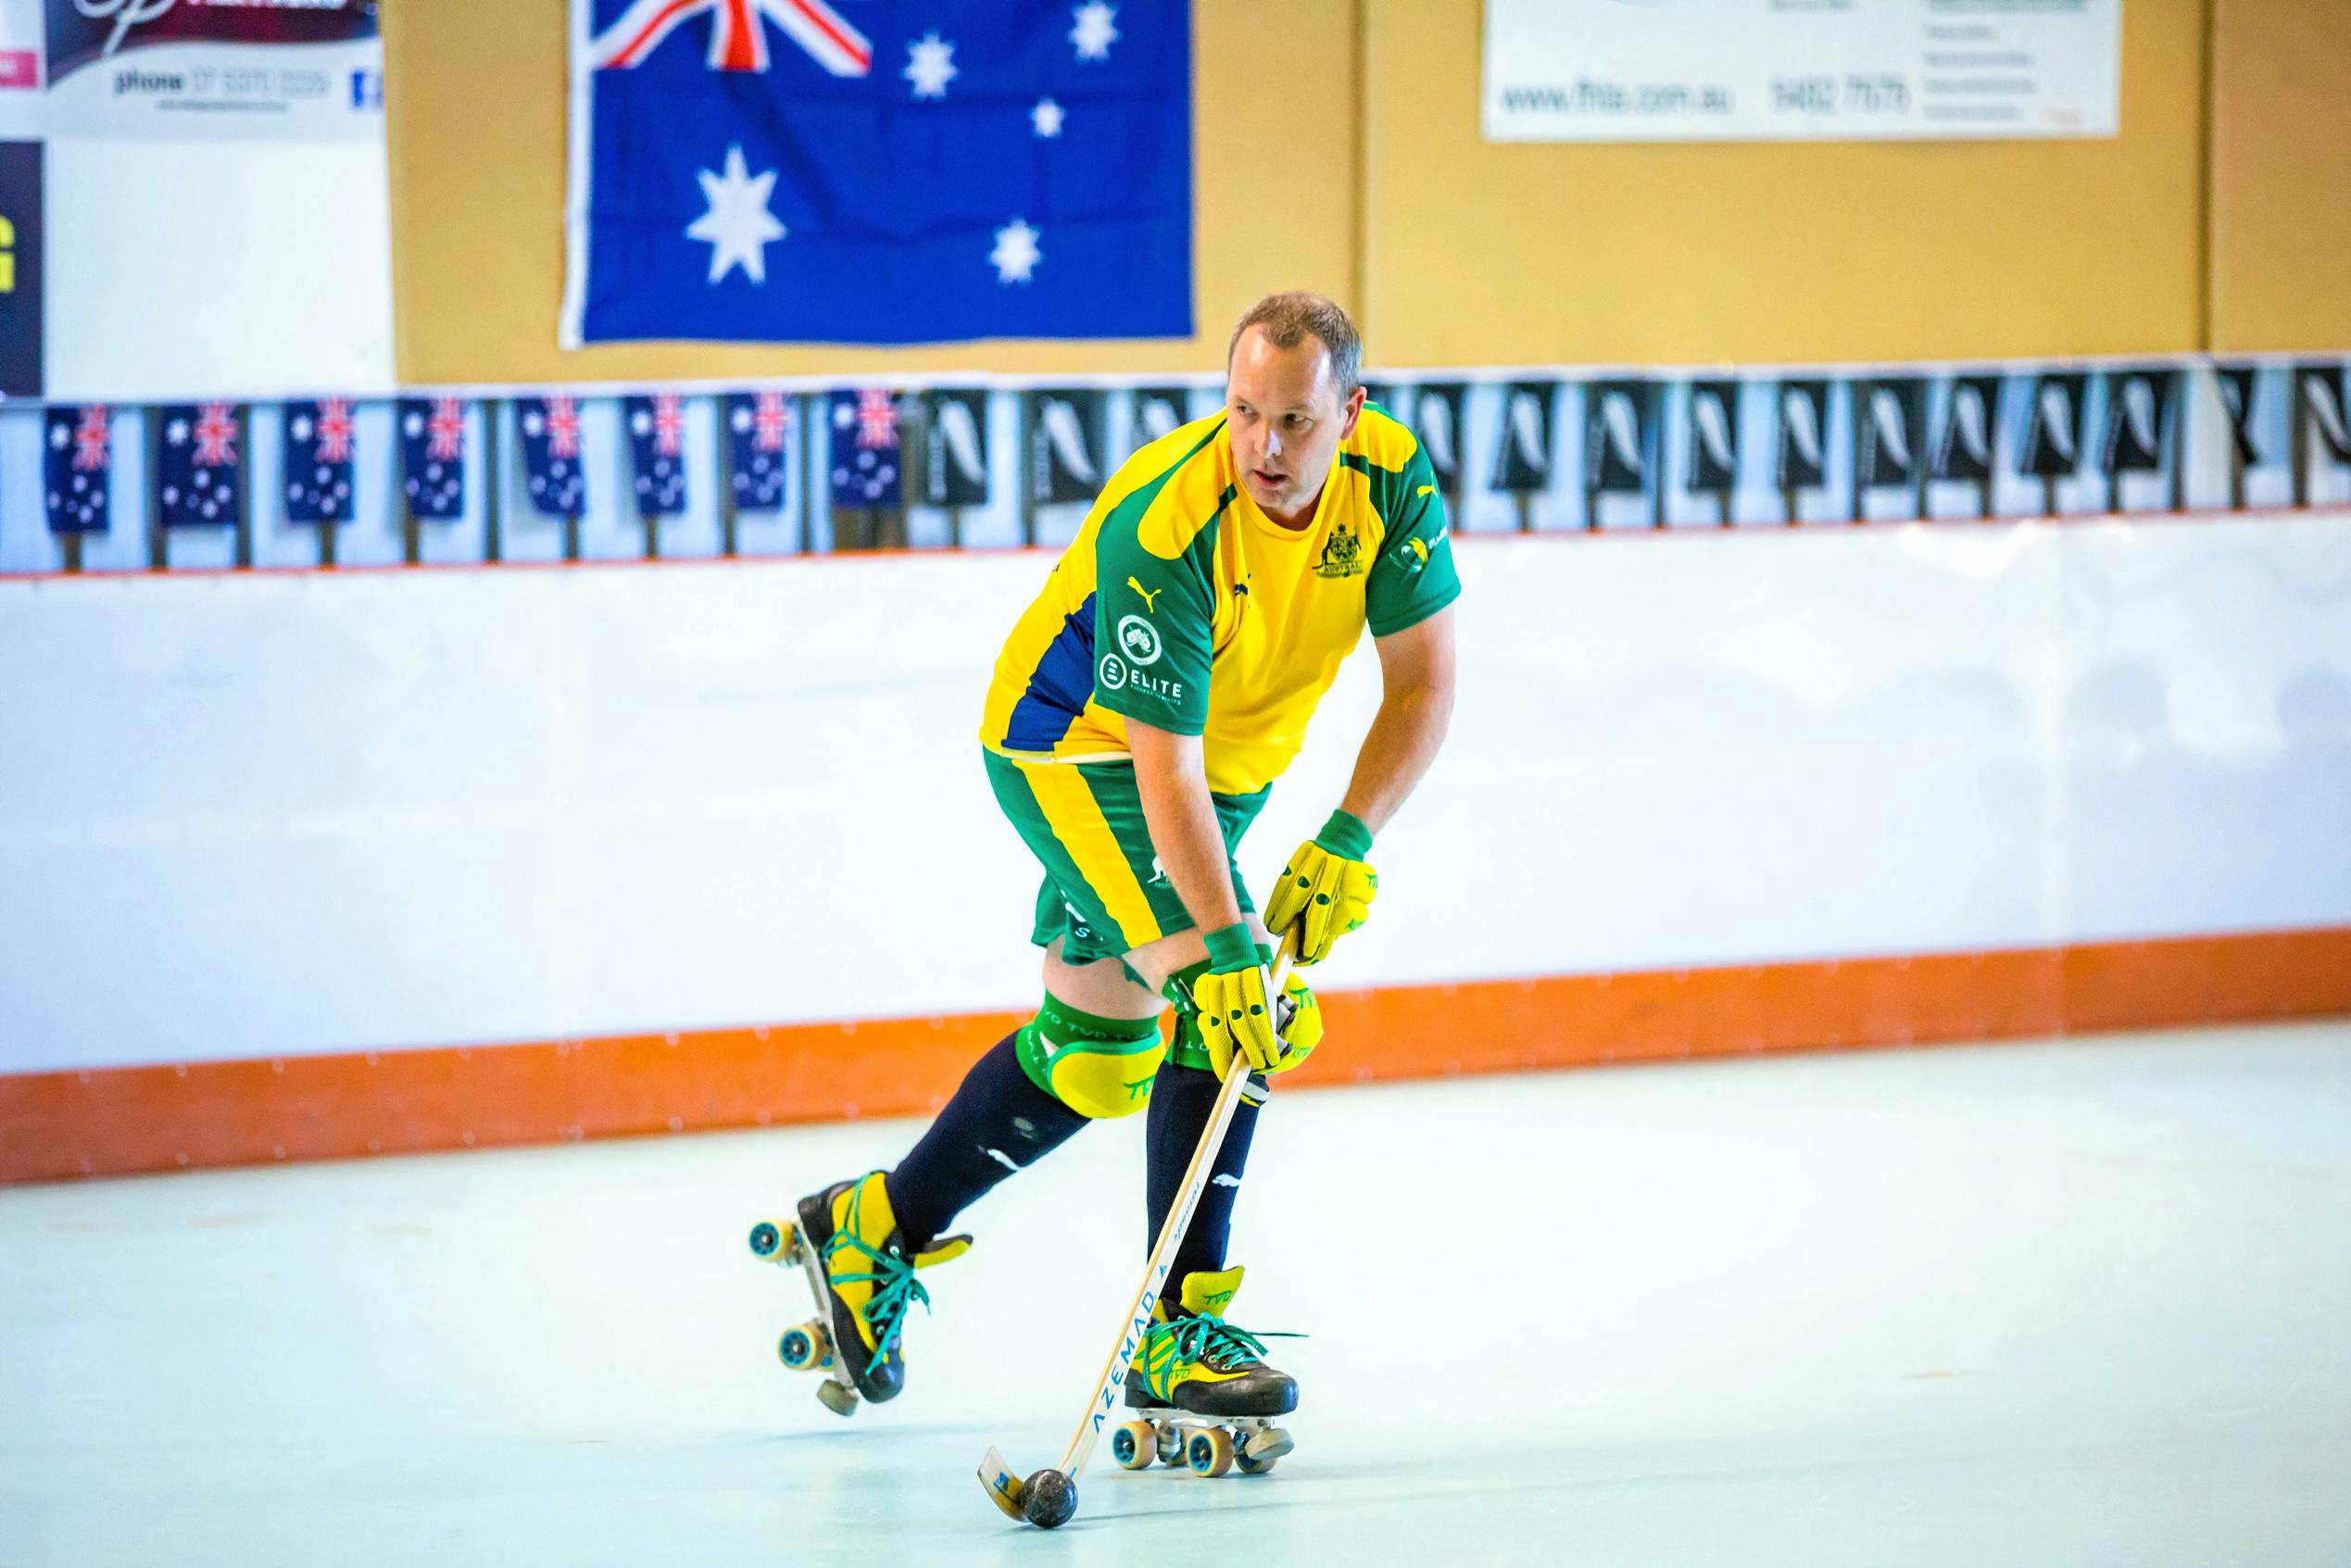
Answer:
(1099, 1067)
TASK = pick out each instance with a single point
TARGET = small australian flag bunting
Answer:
(77, 463)
(197, 469)
(656, 445)
(758, 426)
(550, 429)
(432, 456)
(880, 170)
(864, 448)
(320, 436)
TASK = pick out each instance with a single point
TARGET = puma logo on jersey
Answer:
(1148, 595)
(1425, 490)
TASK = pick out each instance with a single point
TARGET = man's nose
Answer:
(1273, 442)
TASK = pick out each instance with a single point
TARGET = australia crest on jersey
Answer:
(1342, 556)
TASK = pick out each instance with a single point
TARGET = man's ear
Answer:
(1351, 410)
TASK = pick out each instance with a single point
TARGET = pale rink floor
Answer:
(2066, 1304)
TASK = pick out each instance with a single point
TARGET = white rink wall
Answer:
(269, 815)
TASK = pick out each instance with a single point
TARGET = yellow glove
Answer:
(1327, 889)
(1233, 1012)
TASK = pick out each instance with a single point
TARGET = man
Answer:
(1139, 713)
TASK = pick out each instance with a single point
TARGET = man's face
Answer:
(1286, 417)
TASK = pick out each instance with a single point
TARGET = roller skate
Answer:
(1199, 1393)
(848, 1241)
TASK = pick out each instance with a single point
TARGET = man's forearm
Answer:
(1403, 741)
(1181, 814)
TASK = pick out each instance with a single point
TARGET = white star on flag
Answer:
(176, 432)
(1096, 31)
(930, 66)
(301, 427)
(1015, 255)
(738, 226)
(1046, 116)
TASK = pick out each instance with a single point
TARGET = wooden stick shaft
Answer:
(1171, 1231)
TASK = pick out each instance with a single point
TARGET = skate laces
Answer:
(892, 1277)
(1207, 1339)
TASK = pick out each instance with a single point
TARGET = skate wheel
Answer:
(1208, 1451)
(1169, 1443)
(1259, 1449)
(778, 1241)
(805, 1347)
(839, 1400)
(1134, 1445)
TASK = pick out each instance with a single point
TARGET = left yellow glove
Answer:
(1302, 1032)
(1327, 889)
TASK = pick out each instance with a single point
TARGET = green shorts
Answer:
(1104, 894)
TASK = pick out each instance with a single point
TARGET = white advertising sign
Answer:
(1801, 71)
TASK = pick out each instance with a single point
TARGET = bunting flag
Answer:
(656, 448)
(1066, 445)
(1616, 421)
(1886, 445)
(432, 456)
(77, 465)
(1713, 436)
(863, 449)
(1803, 434)
(1523, 466)
(2138, 420)
(2318, 392)
(955, 449)
(759, 427)
(550, 429)
(1435, 417)
(320, 436)
(1969, 446)
(2238, 384)
(198, 471)
(2052, 444)
(1160, 410)
(879, 171)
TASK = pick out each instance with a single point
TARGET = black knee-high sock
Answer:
(996, 1123)
(1182, 1099)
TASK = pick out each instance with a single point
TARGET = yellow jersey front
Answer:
(1182, 606)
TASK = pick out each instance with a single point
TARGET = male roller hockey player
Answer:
(1139, 713)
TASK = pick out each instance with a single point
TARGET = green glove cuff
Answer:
(1231, 949)
(1345, 836)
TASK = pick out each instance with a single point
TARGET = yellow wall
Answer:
(1681, 253)
(2280, 175)
(1355, 123)
(476, 100)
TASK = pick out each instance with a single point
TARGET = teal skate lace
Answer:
(1209, 1340)
(892, 1277)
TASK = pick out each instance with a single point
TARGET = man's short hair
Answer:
(1289, 318)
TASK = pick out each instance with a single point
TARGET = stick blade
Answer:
(1004, 1487)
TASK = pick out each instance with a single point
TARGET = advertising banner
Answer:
(1780, 70)
(21, 252)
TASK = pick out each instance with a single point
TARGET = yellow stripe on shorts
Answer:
(1077, 819)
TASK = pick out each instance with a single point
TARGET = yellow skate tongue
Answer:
(1212, 1293)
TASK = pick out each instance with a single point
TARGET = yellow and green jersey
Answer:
(1181, 605)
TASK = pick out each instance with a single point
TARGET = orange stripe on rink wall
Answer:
(110, 1121)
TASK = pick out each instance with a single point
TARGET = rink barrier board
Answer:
(119, 1121)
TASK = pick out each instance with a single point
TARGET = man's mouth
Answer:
(1268, 478)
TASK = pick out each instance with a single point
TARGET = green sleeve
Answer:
(1152, 623)
(1414, 577)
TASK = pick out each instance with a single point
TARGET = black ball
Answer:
(1048, 1498)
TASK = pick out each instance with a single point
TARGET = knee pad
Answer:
(1099, 1067)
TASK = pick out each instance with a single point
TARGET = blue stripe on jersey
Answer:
(1059, 687)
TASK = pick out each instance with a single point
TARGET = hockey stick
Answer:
(1048, 1498)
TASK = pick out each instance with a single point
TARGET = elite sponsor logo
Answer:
(1111, 672)
(1139, 638)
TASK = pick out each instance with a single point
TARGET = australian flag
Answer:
(552, 454)
(656, 445)
(197, 471)
(432, 456)
(887, 172)
(77, 461)
(864, 448)
(759, 431)
(318, 439)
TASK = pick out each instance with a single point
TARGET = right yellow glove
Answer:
(1234, 1011)
(1327, 887)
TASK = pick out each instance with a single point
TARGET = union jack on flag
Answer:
(432, 456)
(77, 463)
(759, 427)
(770, 170)
(657, 442)
(197, 472)
(320, 436)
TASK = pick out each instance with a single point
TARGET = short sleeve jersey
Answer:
(1183, 605)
